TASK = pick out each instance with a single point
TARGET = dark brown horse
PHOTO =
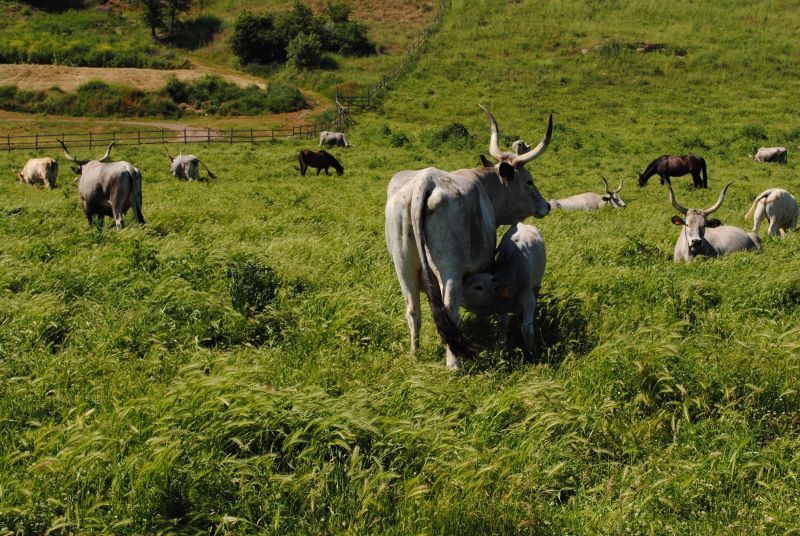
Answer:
(320, 160)
(667, 166)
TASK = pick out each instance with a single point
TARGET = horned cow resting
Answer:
(701, 236)
(333, 138)
(320, 160)
(780, 209)
(591, 200)
(441, 226)
(187, 167)
(40, 171)
(771, 154)
(513, 283)
(108, 189)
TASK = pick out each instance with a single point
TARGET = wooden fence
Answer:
(91, 140)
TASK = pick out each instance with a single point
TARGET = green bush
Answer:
(252, 286)
(304, 51)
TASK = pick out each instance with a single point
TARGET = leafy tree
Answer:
(153, 14)
(304, 51)
(255, 39)
(174, 8)
(338, 12)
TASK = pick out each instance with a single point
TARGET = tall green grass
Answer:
(142, 394)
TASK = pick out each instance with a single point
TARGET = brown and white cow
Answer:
(40, 171)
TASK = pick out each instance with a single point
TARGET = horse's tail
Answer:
(705, 173)
(303, 165)
(445, 325)
(755, 203)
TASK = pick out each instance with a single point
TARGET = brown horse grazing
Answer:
(320, 160)
(676, 166)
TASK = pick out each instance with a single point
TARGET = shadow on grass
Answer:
(195, 33)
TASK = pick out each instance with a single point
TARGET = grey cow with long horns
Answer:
(591, 200)
(441, 226)
(703, 236)
(187, 166)
(108, 188)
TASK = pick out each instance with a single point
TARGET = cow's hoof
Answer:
(453, 363)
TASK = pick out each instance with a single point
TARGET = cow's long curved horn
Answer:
(621, 182)
(168, 156)
(69, 156)
(539, 149)
(718, 204)
(608, 191)
(108, 152)
(494, 148)
(674, 201)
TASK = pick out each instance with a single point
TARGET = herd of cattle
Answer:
(441, 226)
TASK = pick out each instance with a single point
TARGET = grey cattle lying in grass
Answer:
(591, 200)
(780, 209)
(337, 139)
(520, 147)
(701, 236)
(442, 225)
(513, 283)
(108, 189)
(40, 171)
(187, 166)
(771, 154)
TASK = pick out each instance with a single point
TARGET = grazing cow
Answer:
(512, 284)
(667, 166)
(108, 188)
(702, 236)
(40, 171)
(441, 226)
(336, 139)
(780, 209)
(770, 154)
(591, 200)
(321, 160)
(187, 166)
(520, 147)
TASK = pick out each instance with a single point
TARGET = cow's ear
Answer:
(677, 220)
(713, 223)
(507, 171)
(76, 169)
(485, 162)
(605, 198)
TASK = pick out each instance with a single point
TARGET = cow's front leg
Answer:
(452, 293)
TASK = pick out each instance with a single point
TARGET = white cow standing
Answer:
(591, 200)
(441, 226)
(512, 284)
(337, 139)
(779, 207)
(187, 166)
(40, 171)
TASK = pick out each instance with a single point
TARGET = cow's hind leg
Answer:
(452, 292)
(760, 214)
(774, 227)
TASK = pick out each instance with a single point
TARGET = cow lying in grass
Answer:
(512, 284)
(591, 200)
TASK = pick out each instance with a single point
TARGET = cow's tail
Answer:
(208, 170)
(136, 188)
(755, 203)
(303, 165)
(445, 325)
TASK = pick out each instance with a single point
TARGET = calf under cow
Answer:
(512, 284)
(780, 209)
(108, 188)
(40, 171)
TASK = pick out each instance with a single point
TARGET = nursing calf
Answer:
(513, 282)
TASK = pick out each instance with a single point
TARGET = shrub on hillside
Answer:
(304, 51)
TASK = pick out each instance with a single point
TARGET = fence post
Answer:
(90, 140)
(162, 136)
(251, 135)
(8, 142)
(37, 141)
(231, 135)
(209, 134)
(184, 136)
(114, 135)
(138, 137)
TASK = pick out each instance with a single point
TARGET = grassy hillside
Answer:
(135, 398)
